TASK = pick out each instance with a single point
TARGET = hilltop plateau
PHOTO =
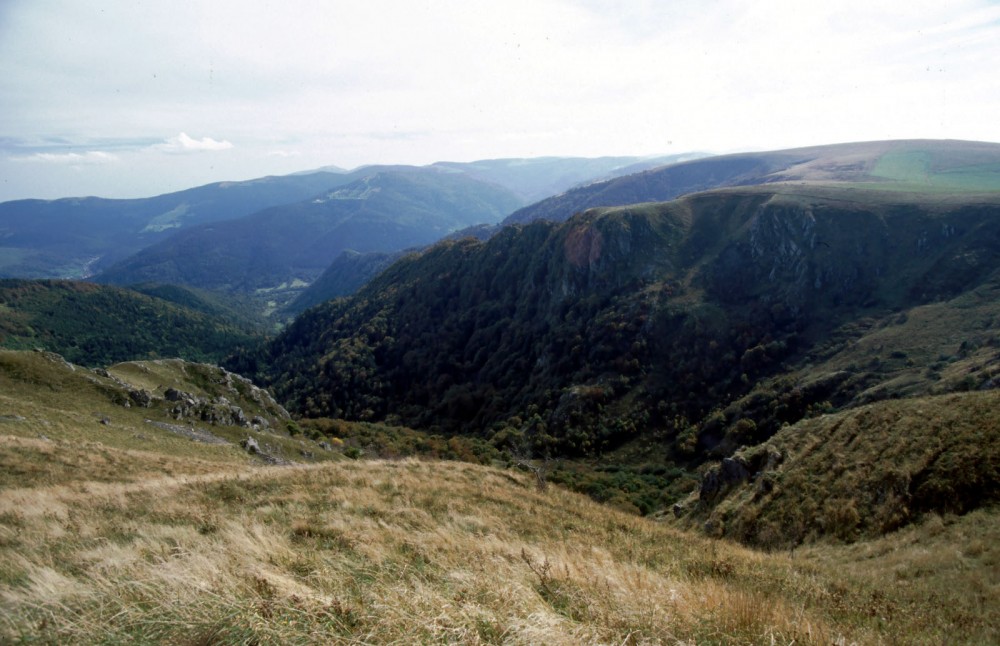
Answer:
(903, 165)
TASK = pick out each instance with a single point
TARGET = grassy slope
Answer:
(109, 537)
(867, 471)
(933, 171)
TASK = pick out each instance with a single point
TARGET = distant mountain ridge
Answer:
(77, 237)
(385, 211)
(535, 178)
(539, 177)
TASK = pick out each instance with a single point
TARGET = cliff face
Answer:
(813, 254)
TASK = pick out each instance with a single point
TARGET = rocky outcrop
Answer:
(721, 478)
(217, 410)
(238, 384)
(140, 397)
(266, 453)
(226, 399)
(736, 470)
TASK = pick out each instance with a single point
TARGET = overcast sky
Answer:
(131, 98)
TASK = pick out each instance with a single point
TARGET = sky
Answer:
(134, 98)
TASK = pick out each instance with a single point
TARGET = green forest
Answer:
(96, 325)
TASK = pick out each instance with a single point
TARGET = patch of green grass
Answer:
(916, 169)
(907, 166)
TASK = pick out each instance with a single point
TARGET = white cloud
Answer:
(73, 159)
(183, 143)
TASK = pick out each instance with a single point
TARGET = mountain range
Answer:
(385, 211)
(924, 166)
(629, 310)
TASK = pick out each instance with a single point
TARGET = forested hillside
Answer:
(96, 325)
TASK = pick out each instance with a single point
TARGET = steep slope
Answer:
(96, 325)
(351, 270)
(858, 473)
(241, 311)
(385, 211)
(76, 237)
(348, 273)
(629, 322)
(903, 165)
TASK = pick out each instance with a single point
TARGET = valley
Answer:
(739, 399)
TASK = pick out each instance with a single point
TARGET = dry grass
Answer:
(944, 573)
(381, 552)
